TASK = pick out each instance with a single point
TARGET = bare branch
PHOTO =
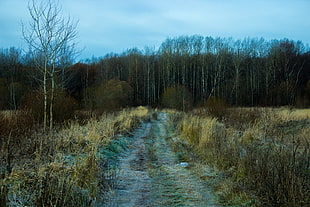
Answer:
(50, 38)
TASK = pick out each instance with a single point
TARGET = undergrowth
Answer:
(264, 154)
(62, 167)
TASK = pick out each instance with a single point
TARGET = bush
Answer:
(4, 94)
(216, 107)
(16, 123)
(177, 97)
(113, 95)
(89, 98)
(64, 106)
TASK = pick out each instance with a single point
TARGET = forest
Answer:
(183, 73)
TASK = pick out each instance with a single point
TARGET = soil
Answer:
(150, 173)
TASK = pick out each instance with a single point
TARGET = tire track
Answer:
(150, 174)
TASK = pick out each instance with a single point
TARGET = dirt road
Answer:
(149, 173)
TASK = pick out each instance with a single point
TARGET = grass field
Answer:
(263, 152)
(59, 168)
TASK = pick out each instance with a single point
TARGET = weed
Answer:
(61, 167)
(267, 157)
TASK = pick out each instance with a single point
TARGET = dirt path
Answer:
(150, 173)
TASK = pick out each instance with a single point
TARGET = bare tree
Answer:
(50, 37)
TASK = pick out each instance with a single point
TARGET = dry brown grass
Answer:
(264, 152)
(287, 114)
(201, 131)
(63, 167)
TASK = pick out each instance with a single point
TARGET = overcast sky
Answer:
(116, 25)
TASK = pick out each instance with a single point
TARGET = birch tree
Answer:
(48, 35)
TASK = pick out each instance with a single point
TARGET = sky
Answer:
(113, 26)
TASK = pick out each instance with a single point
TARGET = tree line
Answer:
(249, 72)
(188, 69)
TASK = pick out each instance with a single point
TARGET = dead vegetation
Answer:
(263, 152)
(59, 168)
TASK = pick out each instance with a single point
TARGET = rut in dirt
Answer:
(149, 173)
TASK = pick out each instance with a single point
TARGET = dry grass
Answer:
(264, 152)
(201, 131)
(63, 167)
(287, 114)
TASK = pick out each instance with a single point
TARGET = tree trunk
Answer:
(45, 97)
(52, 100)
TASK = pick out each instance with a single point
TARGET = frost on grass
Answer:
(151, 174)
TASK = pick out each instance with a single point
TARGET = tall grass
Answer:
(263, 152)
(63, 167)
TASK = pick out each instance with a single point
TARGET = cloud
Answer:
(114, 26)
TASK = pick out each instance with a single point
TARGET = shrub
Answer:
(113, 95)
(216, 107)
(64, 106)
(89, 98)
(177, 97)
(4, 94)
